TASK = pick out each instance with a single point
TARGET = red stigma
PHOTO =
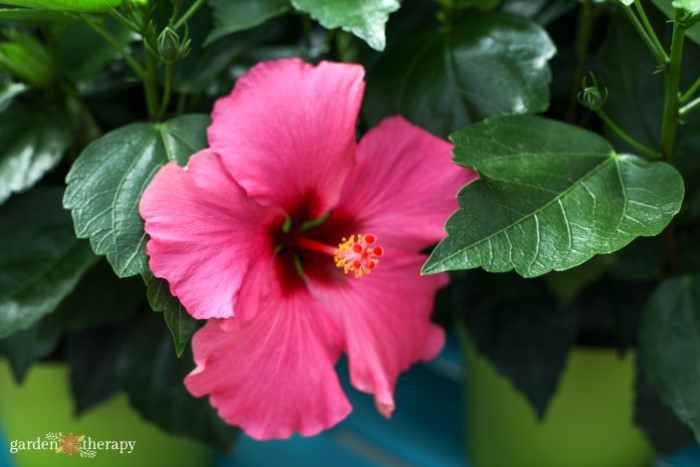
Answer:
(358, 256)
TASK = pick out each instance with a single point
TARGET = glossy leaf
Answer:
(67, 5)
(364, 18)
(152, 375)
(549, 197)
(519, 327)
(237, 15)
(42, 261)
(487, 65)
(179, 322)
(106, 182)
(670, 346)
(32, 144)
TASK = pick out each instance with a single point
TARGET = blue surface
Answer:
(686, 457)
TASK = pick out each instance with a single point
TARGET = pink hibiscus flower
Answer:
(273, 232)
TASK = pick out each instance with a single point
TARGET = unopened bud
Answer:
(592, 97)
(170, 48)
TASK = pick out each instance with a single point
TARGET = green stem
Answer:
(650, 30)
(672, 75)
(624, 136)
(149, 84)
(192, 10)
(136, 66)
(689, 93)
(659, 54)
(583, 41)
(124, 21)
(167, 91)
(692, 105)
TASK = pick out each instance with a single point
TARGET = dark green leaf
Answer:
(670, 346)
(92, 357)
(518, 325)
(152, 376)
(657, 421)
(42, 260)
(32, 144)
(8, 93)
(67, 5)
(463, 4)
(549, 197)
(488, 65)
(84, 53)
(363, 18)
(25, 15)
(180, 323)
(23, 348)
(106, 182)
(99, 298)
(237, 15)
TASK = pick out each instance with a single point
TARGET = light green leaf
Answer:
(487, 65)
(42, 260)
(237, 15)
(363, 18)
(25, 15)
(670, 346)
(106, 182)
(32, 144)
(67, 5)
(692, 6)
(549, 197)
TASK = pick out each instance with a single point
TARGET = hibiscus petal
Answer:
(206, 233)
(385, 320)
(273, 376)
(403, 187)
(287, 132)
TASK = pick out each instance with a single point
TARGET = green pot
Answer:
(589, 422)
(43, 405)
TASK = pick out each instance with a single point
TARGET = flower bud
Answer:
(592, 97)
(170, 49)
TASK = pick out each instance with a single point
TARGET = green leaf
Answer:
(152, 376)
(179, 322)
(464, 4)
(33, 142)
(670, 346)
(487, 65)
(67, 5)
(692, 6)
(8, 93)
(363, 18)
(549, 197)
(237, 15)
(25, 15)
(106, 182)
(656, 420)
(23, 348)
(519, 327)
(693, 33)
(42, 260)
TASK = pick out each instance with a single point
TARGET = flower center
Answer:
(360, 256)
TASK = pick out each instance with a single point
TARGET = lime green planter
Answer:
(43, 405)
(589, 422)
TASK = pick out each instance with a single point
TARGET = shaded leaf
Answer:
(488, 65)
(67, 5)
(152, 375)
(26, 15)
(32, 144)
(23, 348)
(179, 322)
(670, 346)
(364, 18)
(519, 326)
(45, 260)
(237, 15)
(106, 182)
(8, 93)
(549, 197)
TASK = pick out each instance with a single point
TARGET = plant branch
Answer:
(167, 91)
(624, 136)
(689, 93)
(672, 75)
(191, 11)
(650, 30)
(659, 54)
(149, 84)
(136, 66)
(694, 104)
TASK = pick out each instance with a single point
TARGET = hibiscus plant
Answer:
(291, 182)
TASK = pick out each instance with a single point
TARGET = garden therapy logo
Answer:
(70, 444)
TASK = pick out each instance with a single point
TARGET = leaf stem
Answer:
(672, 75)
(624, 136)
(136, 66)
(190, 11)
(650, 30)
(167, 91)
(124, 21)
(149, 84)
(689, 93)
(586, 19)
(692, 105)
(659, 54)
